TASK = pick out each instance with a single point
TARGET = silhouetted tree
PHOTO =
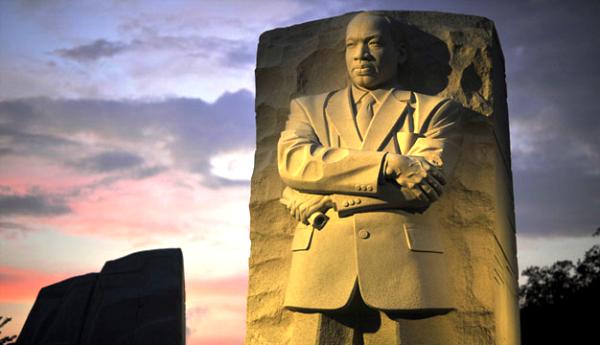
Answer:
(7, 340)
(548, 285)
(560, 303)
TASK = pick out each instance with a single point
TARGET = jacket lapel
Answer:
(394, 107)
(339, 112)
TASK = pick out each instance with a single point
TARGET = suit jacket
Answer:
(372, 238)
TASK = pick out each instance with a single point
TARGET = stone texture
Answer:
(450, 55)
(137, 299)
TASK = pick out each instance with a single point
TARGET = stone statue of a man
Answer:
(362, 165)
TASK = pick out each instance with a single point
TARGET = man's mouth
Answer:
(364, 70)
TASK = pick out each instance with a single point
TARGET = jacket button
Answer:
(370, 188)
(346, 204)
(364, 234)
(357, 201)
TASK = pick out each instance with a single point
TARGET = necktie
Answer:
(365, 114)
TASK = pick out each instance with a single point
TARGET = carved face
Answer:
(371, 57)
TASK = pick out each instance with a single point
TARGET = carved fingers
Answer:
(435, 185)
(302, 208)
(437, 175)
(292, 207)
(432, 193)
(415, 173)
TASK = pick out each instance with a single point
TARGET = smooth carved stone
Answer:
(444, 271)
(137, 299)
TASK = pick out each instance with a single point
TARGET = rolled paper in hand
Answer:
(318, 220)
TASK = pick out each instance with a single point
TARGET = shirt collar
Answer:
(379, 94)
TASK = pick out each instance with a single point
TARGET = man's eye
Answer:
(350, 44)
(375, 43)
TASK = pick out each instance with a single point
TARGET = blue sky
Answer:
(113, 115)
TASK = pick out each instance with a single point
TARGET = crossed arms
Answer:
(349, 180)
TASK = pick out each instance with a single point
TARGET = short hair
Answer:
(394, 26)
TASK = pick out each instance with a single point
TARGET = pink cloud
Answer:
(170, 208)
(130, 209)
(22, 285)
(215, 341)
(232, 285)
(22, 173)
(216, 312)
(169, 204)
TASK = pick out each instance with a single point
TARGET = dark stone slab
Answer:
(59, 311)
(137, 299)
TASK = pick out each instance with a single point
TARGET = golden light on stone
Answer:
(382, 205)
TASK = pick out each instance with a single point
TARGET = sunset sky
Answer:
(129, 125)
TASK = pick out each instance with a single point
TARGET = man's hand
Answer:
(415, 174)
(302, 206)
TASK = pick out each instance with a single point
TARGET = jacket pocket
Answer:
(302, 237)
(423, 239)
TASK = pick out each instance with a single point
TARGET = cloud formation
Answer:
(194, 50)
(227, 52)
(109, 161)
(32, 204)
(85, 157)
(106, 136)
(92, 51)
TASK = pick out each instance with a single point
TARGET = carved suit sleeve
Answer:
(440, 137)
(305, 164)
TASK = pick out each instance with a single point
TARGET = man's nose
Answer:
(362, 53)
